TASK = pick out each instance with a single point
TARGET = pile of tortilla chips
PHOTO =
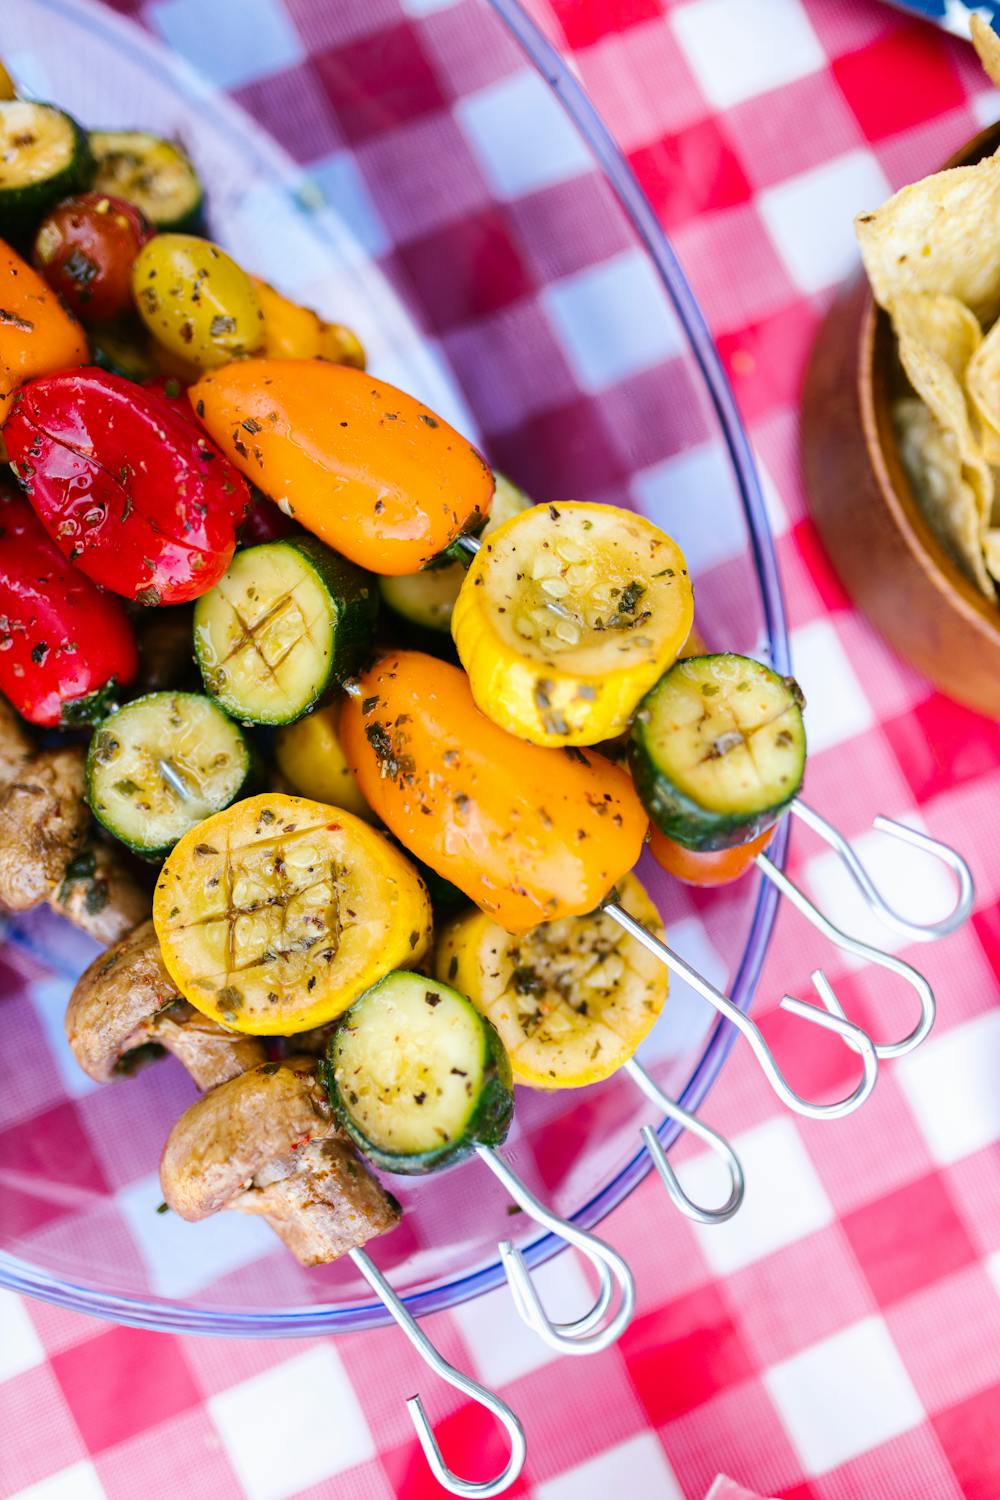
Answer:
(932, 254)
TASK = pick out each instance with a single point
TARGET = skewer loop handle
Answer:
(712, 1138)
(477, 1489)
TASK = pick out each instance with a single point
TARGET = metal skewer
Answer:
(464, 1383)
(567, 1338)
(712, 1138)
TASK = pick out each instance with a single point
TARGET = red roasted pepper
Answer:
(64, 645)
(125, 485)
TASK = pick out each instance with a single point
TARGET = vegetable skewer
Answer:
(418, 1078)
(266, 1143)
(482, 784)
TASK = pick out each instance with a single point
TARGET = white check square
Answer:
(613, 319)
(844, 1395)
(640, 1463)
(810, 217)
(785, 1199)
(78, 1482)
(736, 50)
(504, 1349)
(293, 1426)
(20, 1347)
(952, 1085)
(678, 493)
(521, 135)
(836, 706)
(183, 1258)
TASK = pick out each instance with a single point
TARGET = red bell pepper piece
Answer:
(64, 645)
(127, 488)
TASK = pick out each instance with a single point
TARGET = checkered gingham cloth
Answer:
(840, 1339)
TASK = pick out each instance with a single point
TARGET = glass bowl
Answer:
(466, 211)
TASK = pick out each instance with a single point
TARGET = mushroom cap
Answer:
(114, 998)
(222, 1141)
(15, 742)
(100, 894)
(43, 820)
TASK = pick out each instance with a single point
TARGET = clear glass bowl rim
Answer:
(140, 1312)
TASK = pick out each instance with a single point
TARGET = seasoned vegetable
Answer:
(129, 490)
(264, 521)
(571, 1000)
(196, 301)
(43, 826)
(85, 248)
(567, 615)
(36, 334)
(528, 834)
(310, 757)
(718, 750)
(295, 332)
(160, 765)
(124, 349)
(418, 1078)
(428, 598)
(367, 468)
(64, 646)
(150, 172)
(706, 867)
(286, 624)
(44, 156)
(275, 915)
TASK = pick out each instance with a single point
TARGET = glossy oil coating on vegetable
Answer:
(129, 490)
(571, 999)
(64, 645)
(361, 464)
(85, 248)
(706, 867)
(311, 758)
(568, 614)
(36, 334)
(274, 915)
(292, 331)
(528, 834)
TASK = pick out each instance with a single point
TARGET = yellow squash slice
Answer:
(275, 915)
(567, 616)
(309, 756)
(571, 999)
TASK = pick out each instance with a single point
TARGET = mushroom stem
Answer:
(320, 1199)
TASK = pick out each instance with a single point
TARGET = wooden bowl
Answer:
(887, 556)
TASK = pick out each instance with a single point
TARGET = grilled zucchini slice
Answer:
(428, 598)
(44, 156)
(275, 915)
(417, 1077)
(571, 999)
(718, 750)
(161, 764)
(282, 629)
(150, 172)
(568, 614)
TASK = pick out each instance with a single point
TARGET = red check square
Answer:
(690, 173)
(51, 1155)
(681, 1355)
(123, 1382)
(909, 1239)
(379, 82)
(900, 81)
(940, 745)
(968, 1434)
(466, 270)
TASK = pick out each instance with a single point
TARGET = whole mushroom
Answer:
(125, 1004)
(266, 1143)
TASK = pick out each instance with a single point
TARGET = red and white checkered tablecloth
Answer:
(840, 1340)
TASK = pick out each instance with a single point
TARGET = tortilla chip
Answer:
(938, 235)
(982, 384)
(991, 551)
(987, 45)
(931, 459)
(938, 338)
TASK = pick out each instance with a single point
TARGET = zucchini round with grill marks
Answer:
(44, 156)
(150, 172)
(417, 1077)
(718, 750)
(567, 615)
(275, 915)
(282, 629)
(428, 598)
(161, 764)
(571, 999)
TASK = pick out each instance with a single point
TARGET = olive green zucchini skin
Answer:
(350, 607)
(486, 1124)
(704, 823)
(153, 173)
(27, 188)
